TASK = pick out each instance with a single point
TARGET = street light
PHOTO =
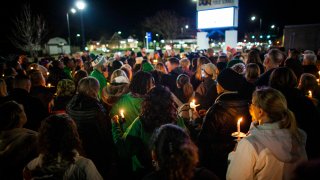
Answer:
(187, 26)
(81, 5)
(119, 32)
(272, 26)
(253, 18)
(73, 10)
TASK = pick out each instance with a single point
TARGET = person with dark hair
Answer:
(69, 67)
(59, 147)
(215, 140)
(33, 107)
(94, 126)
(56, 73)
(254, 57)
(65, 91)
(196, 79)
(306, 114)
(174, 70)
(140, 85)
(80, 74)
(293, 62)
(252, 72)
(308, 82)
(184, 88)
(175, 156)
(39, 89)
(18, 145)
(275, 144)
(157, 109)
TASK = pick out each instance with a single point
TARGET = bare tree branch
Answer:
(166, 23)
(29, 31)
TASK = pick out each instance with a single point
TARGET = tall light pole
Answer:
(73, 11)
(253, 18)
(81, 5)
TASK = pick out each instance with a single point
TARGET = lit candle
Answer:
(2, 75)
(31, 68)
(238, 126)
(49, 85)
(319, 73)
(193, 105)
(122, 113)
(310, 94)
(155, 61)
(318, 80)
(48, 73)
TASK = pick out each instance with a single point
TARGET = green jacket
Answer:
(100, 77)
(134, 143)
(68, 72)
(131, 106)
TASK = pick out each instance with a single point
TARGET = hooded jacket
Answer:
(267, 153)
(18, 146)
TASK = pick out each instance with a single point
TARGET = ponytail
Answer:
(183, 82)
(290, 123)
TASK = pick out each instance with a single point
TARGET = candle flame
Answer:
(310, 94)
(48, 73)
(319, 73)
(31, 68)
(239, 120)
(122, 113)
(49, 85)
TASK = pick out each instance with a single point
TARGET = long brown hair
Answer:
(176, 154)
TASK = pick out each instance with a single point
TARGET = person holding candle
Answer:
(306, 113)
(274, 148)
(308, 82)
(157, 109)
(141, 83)
(215, 140)
(118, 86)
(206, 92)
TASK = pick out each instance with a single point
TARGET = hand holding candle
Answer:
(49, 85)
(193, 105)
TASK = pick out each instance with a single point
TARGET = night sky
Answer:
(104, 17)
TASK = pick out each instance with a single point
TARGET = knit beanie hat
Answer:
(233, 62)
(231, 80)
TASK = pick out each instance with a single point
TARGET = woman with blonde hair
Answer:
(274, 146)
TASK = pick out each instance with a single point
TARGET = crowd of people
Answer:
(161, 115)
